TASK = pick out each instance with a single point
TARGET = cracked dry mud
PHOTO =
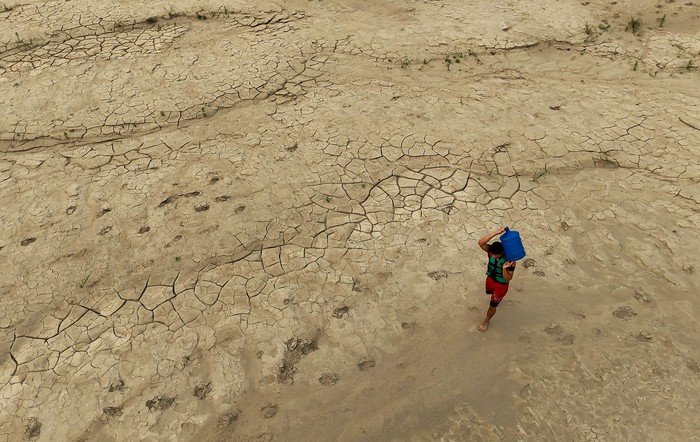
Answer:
(258, 220)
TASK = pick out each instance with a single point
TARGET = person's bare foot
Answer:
(484, 326)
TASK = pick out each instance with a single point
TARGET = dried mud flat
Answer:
(258, 220)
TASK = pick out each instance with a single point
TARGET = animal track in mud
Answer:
(438, 275)
(167, 201)
(625, 312)
(117, 385)
(641, 296)
(269, 411)
(239, 209)
(296, 349)
(341, 311)
(557, 332)
(408, 326)
(103, 212)
(222, 198)
(539, 273)
(201, 208)
(33, 429)
(105, 230)
(365, 364)
(529, 262)
(110, 412)
(228, 419)
(357, 285)
(201, 391)
(26, 242)
(71, 210)
(329, 379)
(644, 336)
(144, 229)
(160, 403)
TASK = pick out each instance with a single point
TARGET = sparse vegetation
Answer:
(84, 281)
(201, 15)
(152, 20)
(661, 20)
(172, 13)
(636, 64)
(634, 25)
(177, 258)
(690, 65)
(588, 29)
(453, 58)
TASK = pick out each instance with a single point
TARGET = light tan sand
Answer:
(230, 220)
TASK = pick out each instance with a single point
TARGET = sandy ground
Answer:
(229, 220)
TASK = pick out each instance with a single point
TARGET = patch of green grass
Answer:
(177, 258)
(634, 25)
(588, 29)
(152, 20)
(690, 65)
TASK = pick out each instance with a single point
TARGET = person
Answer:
(499, 274)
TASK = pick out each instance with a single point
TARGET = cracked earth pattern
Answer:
(202, 201)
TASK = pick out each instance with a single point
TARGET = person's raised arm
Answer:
(508, 268)
(483, 242)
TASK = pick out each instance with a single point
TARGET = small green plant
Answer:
(152, 20)
(448, 62)
(661, 21)
(636, 64)
(172, 13)
(162, 114)
(453, 58)
(540, 174)
(633, 25)
(588, 29)
(690, 65)
(177, 258)
(84, 281)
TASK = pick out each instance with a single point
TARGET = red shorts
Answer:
(496, 290)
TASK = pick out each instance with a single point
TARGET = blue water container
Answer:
(512, 245)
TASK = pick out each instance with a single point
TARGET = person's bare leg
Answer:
(489, 314)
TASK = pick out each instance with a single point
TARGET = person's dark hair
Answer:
(496, 248)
